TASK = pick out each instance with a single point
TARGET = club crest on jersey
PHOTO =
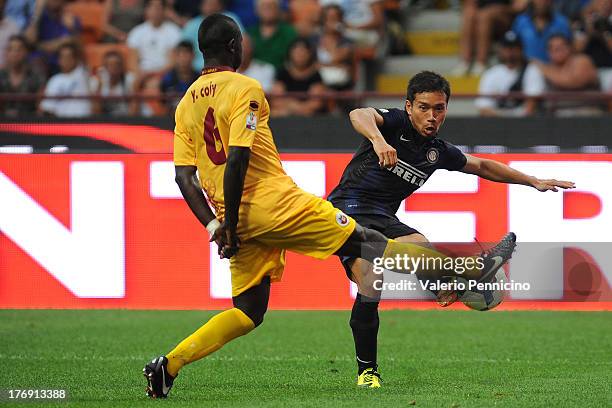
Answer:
(433, 155)
(251, 121)
(342, 219)
(409, 173)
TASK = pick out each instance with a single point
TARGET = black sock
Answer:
(364, 322)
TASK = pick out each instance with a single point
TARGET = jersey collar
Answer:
(212, 70)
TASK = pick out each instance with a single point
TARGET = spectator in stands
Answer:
(8, 28)
(72, 80)
(112, 79)
(20, 11)
(299, 75)
(246, 10)
(178, 80)
(154, 39)
(305, 16)
(51, 28)
(567, 71)
(572, 9)
(113, 20)
(481, 20)
(263, 72)
(536, 25)
(122, 16)
(18, 78)
(190, 31)
(365, 22)
(511, 75)
(272, 36)
(595, 35)
(334, 51)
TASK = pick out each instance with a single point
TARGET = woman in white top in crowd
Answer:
(334, 50)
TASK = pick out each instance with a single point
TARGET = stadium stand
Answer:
(418, 35)
(92, 15)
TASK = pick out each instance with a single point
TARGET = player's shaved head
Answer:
(220, 41)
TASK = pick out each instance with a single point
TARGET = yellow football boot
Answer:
(369, 378)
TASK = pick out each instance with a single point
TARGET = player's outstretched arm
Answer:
(233, 184)
(192, 193)
(366, 121)
(500, 172)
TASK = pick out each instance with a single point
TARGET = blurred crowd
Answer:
(66, 50)
(544, 46)
(114, 48)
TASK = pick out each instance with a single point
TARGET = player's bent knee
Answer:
(256, 316)
(254, 310)
(254, 301)
(358, 241)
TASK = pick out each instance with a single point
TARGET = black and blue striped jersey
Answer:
(367, 188)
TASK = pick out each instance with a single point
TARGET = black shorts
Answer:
(389, 226)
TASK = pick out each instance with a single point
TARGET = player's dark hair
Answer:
(427, 81)
(185, 45)
(215, 33)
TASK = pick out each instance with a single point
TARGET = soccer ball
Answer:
(483, 300)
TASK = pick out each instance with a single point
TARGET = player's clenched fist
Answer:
(387, 155)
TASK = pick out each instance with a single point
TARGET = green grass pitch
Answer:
(427, 359)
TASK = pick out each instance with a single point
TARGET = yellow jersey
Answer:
(223, 108)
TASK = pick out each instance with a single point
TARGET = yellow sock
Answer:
(435, 258)
(220, 329)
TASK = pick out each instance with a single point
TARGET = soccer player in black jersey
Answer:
(400, 152)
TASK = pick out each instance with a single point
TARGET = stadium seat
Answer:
(395, 83)
(433, 42)
(93, 18)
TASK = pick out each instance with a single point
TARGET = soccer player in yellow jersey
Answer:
(222, 134)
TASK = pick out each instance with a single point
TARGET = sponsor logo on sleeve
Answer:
(251, 121)
(342, 219)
